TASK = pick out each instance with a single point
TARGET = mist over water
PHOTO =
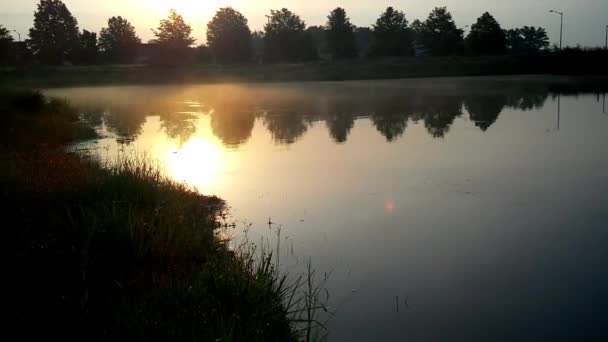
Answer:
(483, 203)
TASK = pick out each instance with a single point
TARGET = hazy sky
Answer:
(584, 22)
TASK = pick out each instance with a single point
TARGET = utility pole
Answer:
(607, 37)
(561, 28)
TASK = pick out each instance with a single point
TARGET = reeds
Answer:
(114, 251)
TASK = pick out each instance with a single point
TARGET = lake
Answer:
(440, 209)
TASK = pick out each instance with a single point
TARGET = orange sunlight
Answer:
(198, 162)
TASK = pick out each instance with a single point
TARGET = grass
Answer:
(28, 120)
(566, 63)
(108, 252)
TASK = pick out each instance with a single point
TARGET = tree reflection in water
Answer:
(288, 111)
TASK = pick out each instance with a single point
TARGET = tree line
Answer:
(55, 38)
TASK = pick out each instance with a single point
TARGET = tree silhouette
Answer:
(439, 34)
(364, 38)
(528, 39)
(173, 40)
(204, 55)
(390, 125)
(438, 112)
(319, 38)
(285, 38)
(54, 37)
(118, 42)
(257, 46)
(6, 47)
(285, 127)
(339, 125)
(232, 123)
(416, 29)
(173, 32)
(487, 37)
(340, 35)
(88, 49)
(392, 36)
(485, 109)
(391, 111)
(229, 36)
(179, 125)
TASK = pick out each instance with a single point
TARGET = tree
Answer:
(119, 42)
(285, 38)
(487, 37)
(6, 47)
(54, 37)
(364, 38)
(87, 49)
(392, 36)
(439, 34)
(173, 41)
(229, 37)
(204, 55)
(257, 46)
(319, 40)
(527, 39)
(173, 32)
(340, 35)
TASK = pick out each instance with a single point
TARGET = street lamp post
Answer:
(607, 37)
(561, 28)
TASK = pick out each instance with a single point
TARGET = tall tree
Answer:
(285, 38)
(229, 36)
(54, 37)
(364, 38)
(88, 49)
(173, 41)
(319, 39)
(340, 35)
(173, 32)
(6, 46)
(119, 42)
(416, 29)
(440, 35)
(487, 37)
(257, 46)
(527, 39)
(392, 36)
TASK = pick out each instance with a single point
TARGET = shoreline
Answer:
(355, 70)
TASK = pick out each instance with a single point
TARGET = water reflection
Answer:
(178, 125)
(288, 111)
(484, 110)
(450, 194)
(198, 163)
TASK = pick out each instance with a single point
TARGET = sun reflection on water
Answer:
(198, 163)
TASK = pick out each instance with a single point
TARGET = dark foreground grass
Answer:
(122, 253)
(29, 121)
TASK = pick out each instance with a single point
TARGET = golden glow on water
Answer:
(199, 162)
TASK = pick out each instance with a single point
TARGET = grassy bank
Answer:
(315, 71)
(97, 252)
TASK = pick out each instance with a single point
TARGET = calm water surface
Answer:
(483, 204)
